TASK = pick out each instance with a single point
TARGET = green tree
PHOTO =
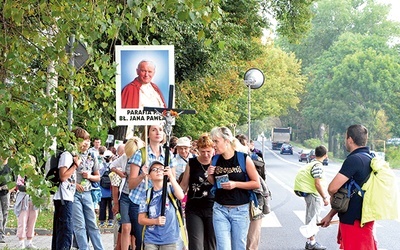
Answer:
(37, 79)
(355, 83)
(332, 18)
(223, 100)
(342, 29)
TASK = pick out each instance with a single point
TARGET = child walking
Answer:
(157, 226)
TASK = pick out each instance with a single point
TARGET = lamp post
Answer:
(253, 79)
(233, 125)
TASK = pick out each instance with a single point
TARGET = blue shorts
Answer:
(126, 209)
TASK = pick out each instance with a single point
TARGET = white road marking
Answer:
(271, 220)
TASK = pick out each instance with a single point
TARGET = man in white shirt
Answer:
(179, 162)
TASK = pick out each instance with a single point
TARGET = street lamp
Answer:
(253, 79)
(233, 125)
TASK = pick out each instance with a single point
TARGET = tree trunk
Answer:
(119, 132)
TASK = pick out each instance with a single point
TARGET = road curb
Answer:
(43, 231)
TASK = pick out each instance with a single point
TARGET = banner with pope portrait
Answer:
(145, 76)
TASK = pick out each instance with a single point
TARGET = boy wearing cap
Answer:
(179, 162)
(158, 226)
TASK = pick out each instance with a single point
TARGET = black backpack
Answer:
(259, 164)
(105, 181)
(53, 175)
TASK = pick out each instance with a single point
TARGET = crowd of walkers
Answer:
(126, 190)
(122, 188)
(200, 198)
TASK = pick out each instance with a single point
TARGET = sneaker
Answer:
(31, 246)
(101, 224)
(110, 224)
(316, 246)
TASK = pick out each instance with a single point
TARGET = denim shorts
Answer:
(126, 209)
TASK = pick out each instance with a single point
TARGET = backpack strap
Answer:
(242, 163)
(171, 196)
(214, 160)
(149, 196)
(351, 191)
(354, 183)
(214, 163)
(178, 211)
(143, 153)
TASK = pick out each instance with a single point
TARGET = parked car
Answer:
(303, 155)
(286, 149)
(311, 156)
(325, 162)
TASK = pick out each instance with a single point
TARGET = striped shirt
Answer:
(179, 163)
(136, 194)
(317, 171)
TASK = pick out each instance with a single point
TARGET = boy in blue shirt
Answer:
(162, 232)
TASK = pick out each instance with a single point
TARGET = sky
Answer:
(395, 9)
(394, 14)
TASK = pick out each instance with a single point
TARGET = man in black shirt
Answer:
(353, 235)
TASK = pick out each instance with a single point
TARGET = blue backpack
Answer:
(242, 163)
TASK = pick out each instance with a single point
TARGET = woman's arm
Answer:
(65, 172)
(115, 199)
(119, 163)
(95, 177)
(210, 172)
(252, 183)
(134, 177)
(185, 179)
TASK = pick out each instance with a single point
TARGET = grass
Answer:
(44, 220)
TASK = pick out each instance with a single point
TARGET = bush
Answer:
(44, 220)
(313, 143)
(392, 155)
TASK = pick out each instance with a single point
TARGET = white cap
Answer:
(107, 153)
(183, 142)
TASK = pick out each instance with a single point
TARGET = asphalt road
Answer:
(281, 227)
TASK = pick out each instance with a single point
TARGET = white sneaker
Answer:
(31, 246)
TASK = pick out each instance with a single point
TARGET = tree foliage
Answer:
(224, 99)
(294, 17)
(352, 67)
(214, 43)
(332, 18)
(38, 81)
